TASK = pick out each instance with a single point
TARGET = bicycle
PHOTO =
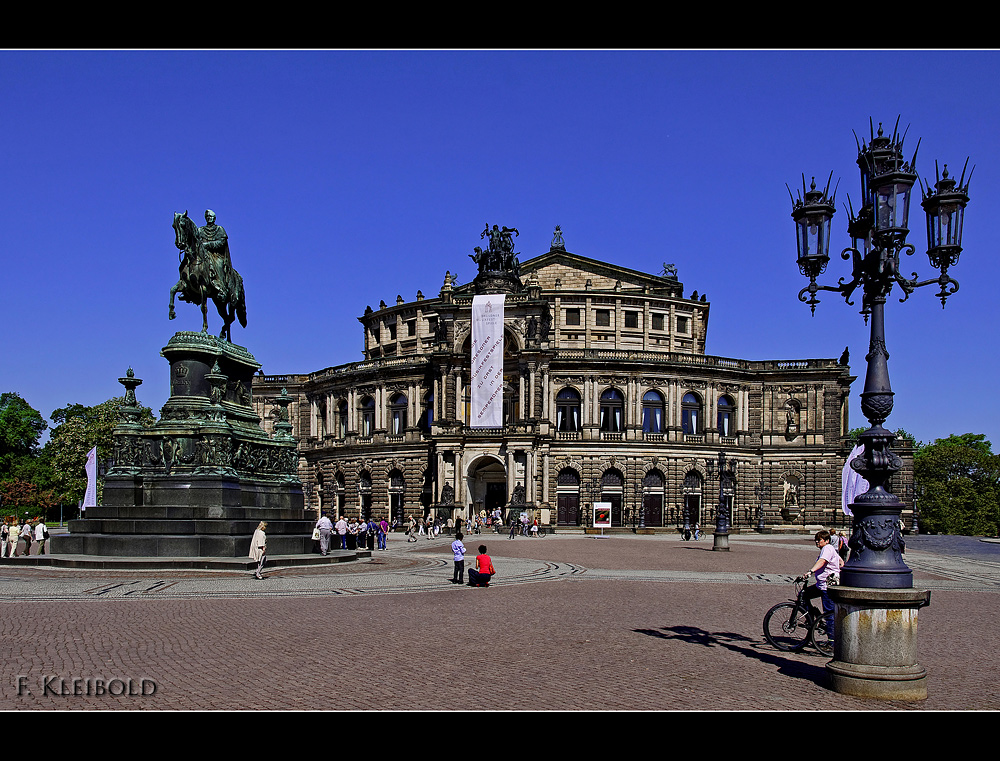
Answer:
(790, 625)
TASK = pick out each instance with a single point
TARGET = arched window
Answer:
(511, 402)
(427, 416)
(367, 409)
(568, 497)
(365, 494)
(653, 412)
(342, 419)
(726, 416)
(691, 414)
(341, 488)
(612, 407)
(613, 491)
(397, 489)
(397, 414)
(568, 410)
(321, 418)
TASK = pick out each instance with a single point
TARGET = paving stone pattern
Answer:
(572, 622)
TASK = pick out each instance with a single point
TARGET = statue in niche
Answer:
(791, 418)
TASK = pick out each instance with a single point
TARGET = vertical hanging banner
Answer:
(90, 497)
(487, 361)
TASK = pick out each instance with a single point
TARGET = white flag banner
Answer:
(90, 498)
(487, 361)
(852, 483)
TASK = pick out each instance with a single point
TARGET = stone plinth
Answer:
(875, 650)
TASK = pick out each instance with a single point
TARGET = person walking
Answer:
(41, 536)
(458, 553)
(258, 548)
(4, 537)
(341, 527)
(12, 537)
(26, 536)
(411, 532)
(383, 534)
(325, 526)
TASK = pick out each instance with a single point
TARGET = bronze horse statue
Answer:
(207, 273)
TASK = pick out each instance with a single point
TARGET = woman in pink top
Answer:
(827, 563)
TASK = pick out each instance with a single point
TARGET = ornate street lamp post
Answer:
(876, 568)
(879, 237)
(761, 491)
(727, 474)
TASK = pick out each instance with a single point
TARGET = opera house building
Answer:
(606, 395)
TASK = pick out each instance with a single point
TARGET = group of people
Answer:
(426, 527)
(353, 534)
(523, 527)
(687, 535)
(14, 534)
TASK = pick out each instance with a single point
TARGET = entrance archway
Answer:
(486, 480)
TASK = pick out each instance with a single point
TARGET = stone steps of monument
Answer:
(174, 545)
(190, 512)
(97, 562)
(206, 526)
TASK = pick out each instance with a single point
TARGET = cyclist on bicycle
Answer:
(826, 564)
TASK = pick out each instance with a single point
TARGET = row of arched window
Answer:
(397, 421)
(654, 412)
(611, 413)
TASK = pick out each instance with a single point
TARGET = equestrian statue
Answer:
(206, 272)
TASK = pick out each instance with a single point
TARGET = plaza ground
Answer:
(571, 622)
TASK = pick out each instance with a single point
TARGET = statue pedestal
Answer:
(875, 649)
(197, 482)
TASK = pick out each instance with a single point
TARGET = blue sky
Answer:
(347, 177)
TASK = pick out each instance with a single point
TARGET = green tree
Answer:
(854, 434)
(21, 428)
(78, 430)
(960, 477)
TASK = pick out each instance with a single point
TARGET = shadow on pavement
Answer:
(739, 643)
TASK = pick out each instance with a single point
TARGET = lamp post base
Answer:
(721, 543)
(875, 651)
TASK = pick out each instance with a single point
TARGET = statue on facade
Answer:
(670, 271)
(206, 272)
(557, 241)
(499, 267)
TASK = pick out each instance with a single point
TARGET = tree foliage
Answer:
(960, 478)
(854, 434)
(21, 428)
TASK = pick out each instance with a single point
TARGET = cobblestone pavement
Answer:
(572, 622)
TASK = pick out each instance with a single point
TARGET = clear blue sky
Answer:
(346, 178)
